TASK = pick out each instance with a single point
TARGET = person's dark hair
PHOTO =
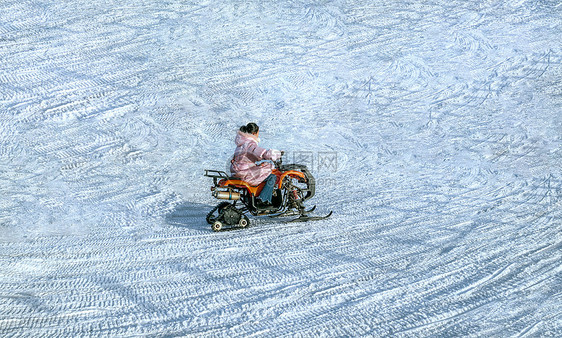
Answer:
(250, 128)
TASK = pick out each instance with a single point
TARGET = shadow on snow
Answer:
(189, 215)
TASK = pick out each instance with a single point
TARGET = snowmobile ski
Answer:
(292, 213)
(305, 218)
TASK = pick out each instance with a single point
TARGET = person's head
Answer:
(250, 128)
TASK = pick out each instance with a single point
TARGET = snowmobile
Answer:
(294, 186)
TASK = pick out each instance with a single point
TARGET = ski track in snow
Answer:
(445, 118)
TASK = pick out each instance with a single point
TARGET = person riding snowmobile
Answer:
(247, 153)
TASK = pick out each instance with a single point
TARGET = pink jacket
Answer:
(246, 155)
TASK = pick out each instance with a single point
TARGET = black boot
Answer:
(263, 204)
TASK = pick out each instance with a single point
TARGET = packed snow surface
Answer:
(433, 128)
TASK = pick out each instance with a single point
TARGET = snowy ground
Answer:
(433, 127)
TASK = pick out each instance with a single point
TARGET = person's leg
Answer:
(267, 191)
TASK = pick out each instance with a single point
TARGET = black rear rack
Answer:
(216, 174)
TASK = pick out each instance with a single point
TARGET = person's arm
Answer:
(264, 154)
(272, 154)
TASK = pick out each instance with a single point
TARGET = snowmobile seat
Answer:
(235, 182)
(223, 180)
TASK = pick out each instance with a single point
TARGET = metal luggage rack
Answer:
(216, 174)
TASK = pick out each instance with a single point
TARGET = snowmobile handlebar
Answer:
(279, 162)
